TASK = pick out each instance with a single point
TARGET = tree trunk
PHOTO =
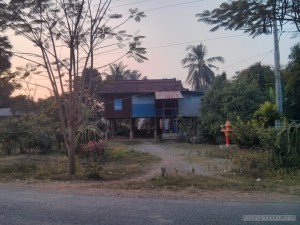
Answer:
(71, 161)
(70, 144)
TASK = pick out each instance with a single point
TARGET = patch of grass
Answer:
(233, 183)
(33, 167)
(54, 169)
(119, 162)
(285, 183)
(182, 182)
(224, 152)
(20, 168)
(130, 142)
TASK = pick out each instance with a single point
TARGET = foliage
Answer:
(117, 165)
(189, 128)
(266, 114)
(32, 132)
(200, 76)
(7, 86)
(93, 149)
(256, 18)
(251, 135)
(87, 133)
(212, 114)
(292, 70)
(253, 163)
(232, 99)
(5, 53)
(242, 98)
(112, 161)
(94, 76)
(253, 17)
(120, 72)
(288, 143)
(93, 154)
(23, 104)
(11, 133)
(263, 75)
(245, 135)
(291, 76)
(80, 29)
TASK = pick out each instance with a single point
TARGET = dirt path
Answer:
(173, 159)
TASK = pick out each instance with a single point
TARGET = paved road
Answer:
(30, 207)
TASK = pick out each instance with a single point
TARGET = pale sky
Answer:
(171, 25)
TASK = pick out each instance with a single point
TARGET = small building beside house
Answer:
(6, 112)
(161, 101)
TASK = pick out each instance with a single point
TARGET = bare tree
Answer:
(69, 34)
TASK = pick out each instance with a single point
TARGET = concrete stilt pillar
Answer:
(106, 130)
(155, 128)
(131, 129)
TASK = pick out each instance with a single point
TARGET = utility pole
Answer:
(278, 86)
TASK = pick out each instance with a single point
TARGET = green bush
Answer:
(288, 145)
(210, 127)
(29, 133)
(266, 114)
(245, 135)
(250, 135)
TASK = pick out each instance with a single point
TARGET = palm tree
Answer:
(117, 72)
(200, 76)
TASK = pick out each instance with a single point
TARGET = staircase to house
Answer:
(171, 136)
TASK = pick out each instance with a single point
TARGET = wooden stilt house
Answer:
(160, 100)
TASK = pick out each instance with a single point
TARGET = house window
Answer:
(118, 105)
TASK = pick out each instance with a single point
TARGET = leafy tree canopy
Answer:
(291, 77)
(262, 74)
(7, 86)
(238, 98)
(119, 71)
(5, 53)
(252, 16)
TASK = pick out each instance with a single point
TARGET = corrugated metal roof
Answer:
(142, 86)
(5, 112)
(168, 95)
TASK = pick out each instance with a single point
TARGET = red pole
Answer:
(227, 131)
(227, 140)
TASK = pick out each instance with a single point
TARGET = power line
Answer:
(244, 60)
(167, 6)
(176, 44)
(265, 55)
(189, 42)
(128, 4)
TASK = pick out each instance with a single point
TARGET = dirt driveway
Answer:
(179, 159)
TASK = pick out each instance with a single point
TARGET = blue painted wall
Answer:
(190, 105)
(143, 106)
